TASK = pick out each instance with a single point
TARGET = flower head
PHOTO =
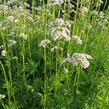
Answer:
(82, 59)
(101, 15)
(60, 29)
(77, 39)
(3, 7)
(2, 96)
(65, 33)
(10, 18)
(84, 10)
(3, 53)
(59, 22)
(78, 59)
(15, 58)
(57, 33)
(55, 2)
(44, 43)
(68, 24)
(12, 42)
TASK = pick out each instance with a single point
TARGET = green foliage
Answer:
(38, 71)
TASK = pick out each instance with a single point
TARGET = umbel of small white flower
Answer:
(60, 33)
(2, 96)
(3, 53)
(59, 22)
(3, 8)
(12, 42)
(10, 18)
(78, 59)
(64, 33)
(60, 30)
(84, 10)
(77, 39)
(44, 43)
(101, 15)
(56, 2)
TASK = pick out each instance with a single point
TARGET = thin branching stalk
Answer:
(45, 81)
(7, 83)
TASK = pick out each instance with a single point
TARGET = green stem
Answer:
(7, 83)
(45, 80)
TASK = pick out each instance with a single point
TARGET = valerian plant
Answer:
(48, 61)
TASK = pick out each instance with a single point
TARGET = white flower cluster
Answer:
(59, 33)
(78, 59)
(10, 18)
(2, 96)
(11, 42)
(3, 7)
(3, 53)
(84, 10)
(101, 15)
(60, 30)
(56, 2)
(44, 43)
(77, 39)
(59, 22)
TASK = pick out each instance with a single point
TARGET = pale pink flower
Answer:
(78, 59)
(10, 18)
(44, 43)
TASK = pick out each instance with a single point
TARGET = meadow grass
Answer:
(50, 62)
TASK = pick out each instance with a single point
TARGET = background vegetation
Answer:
(50, 62)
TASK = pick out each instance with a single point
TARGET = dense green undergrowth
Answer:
(50, 62)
